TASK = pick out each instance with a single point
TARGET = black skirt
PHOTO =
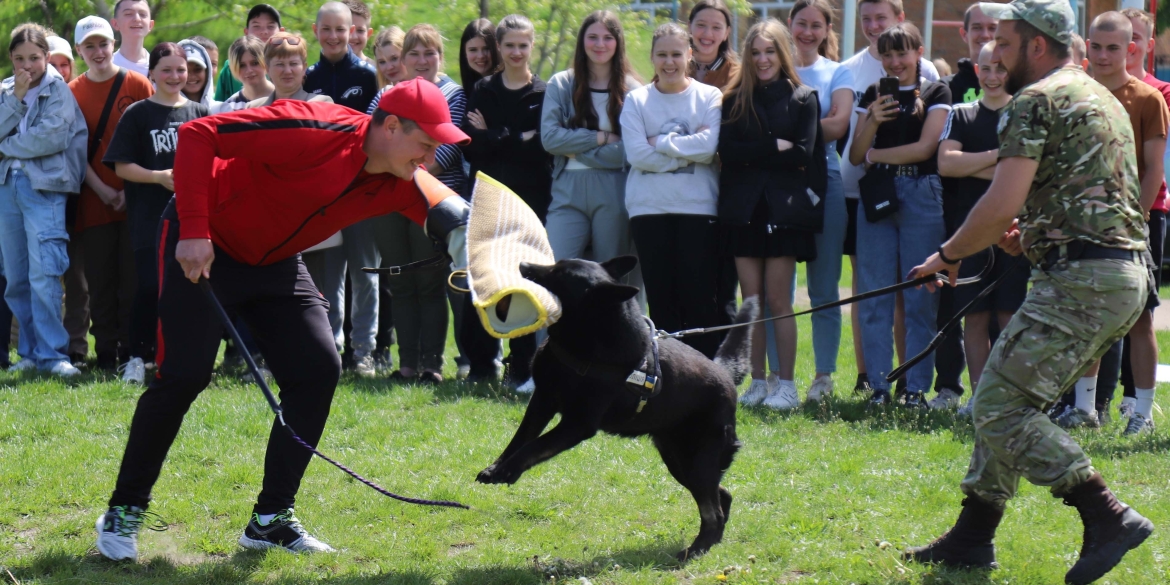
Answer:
(758, 239)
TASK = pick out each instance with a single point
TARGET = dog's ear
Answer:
(534, 272)
(609, 293)
(620, 266)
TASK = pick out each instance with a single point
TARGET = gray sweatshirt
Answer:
(561, 141)
(678, 175)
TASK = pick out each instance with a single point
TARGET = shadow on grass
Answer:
(858, 412)
(542, 569)
(55, 566)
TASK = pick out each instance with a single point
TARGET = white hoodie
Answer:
(209, 87)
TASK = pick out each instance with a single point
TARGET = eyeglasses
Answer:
(294, 41)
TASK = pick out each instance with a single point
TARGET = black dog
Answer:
(580, 372)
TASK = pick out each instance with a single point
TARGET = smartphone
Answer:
(888, 86)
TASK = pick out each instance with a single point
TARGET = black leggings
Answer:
(144, 313)
(680, 266)
(288, 318)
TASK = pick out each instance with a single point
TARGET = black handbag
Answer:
(878, 195)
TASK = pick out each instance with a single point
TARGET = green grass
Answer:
(824, 495)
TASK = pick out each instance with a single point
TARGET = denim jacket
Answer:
(560, 140)
(53, 150)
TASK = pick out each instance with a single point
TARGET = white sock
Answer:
(1145, 402)
(1086, 393)
(265, 518)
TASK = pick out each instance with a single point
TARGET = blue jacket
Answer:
(351, 82)
(53, 150)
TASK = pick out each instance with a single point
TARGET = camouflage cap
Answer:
(1053, 17)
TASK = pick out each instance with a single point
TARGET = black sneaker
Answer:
(880, 398)
(862, 385)
(283, 531)
(914, 400)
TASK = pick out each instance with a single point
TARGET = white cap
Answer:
(60, 46)
(92, 25)
(194, 56)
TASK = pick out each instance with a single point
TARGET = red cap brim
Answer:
(445, 132)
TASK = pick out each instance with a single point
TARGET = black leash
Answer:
(921, 280)
(416, 265)
(279, 412)
(901, 370)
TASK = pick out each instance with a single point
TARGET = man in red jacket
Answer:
(252, 189)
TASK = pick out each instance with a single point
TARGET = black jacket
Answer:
(499, 151)
(964, 83)
(754, 168)
(350, 82)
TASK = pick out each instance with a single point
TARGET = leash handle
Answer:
(275, 406)
(252, 367)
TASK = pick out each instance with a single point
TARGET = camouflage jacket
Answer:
(1086, 187)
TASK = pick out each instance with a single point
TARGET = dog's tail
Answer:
(734, 354)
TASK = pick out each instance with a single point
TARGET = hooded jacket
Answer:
(52, 151)
(964, 83)
(207, 98)
(265, 183)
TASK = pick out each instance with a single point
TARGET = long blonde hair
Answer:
(743, 83)
(392, 36)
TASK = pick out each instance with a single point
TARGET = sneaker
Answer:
(21, 366)
(1074, 417)
(77, 359)
(880, 398)
(1138, 424)
(528, 387)
(822, 388)
(967, 410)
(784, 398)
(862, 385)
(946, 399)
(463, 371)
(364, 365)
(64, 369)
(756, 393)
(117, 531)
(1127, 406)
(133, 371)
(1103, 416)
(914, 400)
(1057, 411)
(283, 531)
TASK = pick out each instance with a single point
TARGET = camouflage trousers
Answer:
(1069, 319)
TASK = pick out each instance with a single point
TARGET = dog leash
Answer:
(921, 280)
(279, 412)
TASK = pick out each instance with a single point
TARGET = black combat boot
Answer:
(1111, 530)
(969, 543)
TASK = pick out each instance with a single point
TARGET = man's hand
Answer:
(935, 265)
(195, 256)
(1010, 242)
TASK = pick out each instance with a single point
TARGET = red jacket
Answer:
(265, 183)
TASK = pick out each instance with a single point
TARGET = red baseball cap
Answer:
(422, 102)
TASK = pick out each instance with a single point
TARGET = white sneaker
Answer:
(1127, 406)
(364, 365)
(785, 397)
(133, 371)
(117, 532)
(64, 369)
(822, 388)
(21, 366)
(756, 393)
(946, 400)
(463, 371)
(528, 387)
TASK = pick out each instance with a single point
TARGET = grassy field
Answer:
(823, 495)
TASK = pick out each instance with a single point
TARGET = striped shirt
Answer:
(448, 156)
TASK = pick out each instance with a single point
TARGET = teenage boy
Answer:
(263, 21)
(361, 29)
(978, 29)
(1110, 46)
(967, 156)
(866, 67)
(351, 82)
(101, 207)
(132, 21)
(357, 165)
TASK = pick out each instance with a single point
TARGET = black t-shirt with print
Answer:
(147, 135)
(907, 128)
(974, 126)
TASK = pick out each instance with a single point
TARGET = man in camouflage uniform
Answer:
(1067, 164)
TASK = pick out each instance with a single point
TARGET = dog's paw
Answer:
(487, 475)
(496, 473)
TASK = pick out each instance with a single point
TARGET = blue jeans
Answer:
(34, 256)
(886, 251)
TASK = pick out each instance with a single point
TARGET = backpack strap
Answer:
(95, 139)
